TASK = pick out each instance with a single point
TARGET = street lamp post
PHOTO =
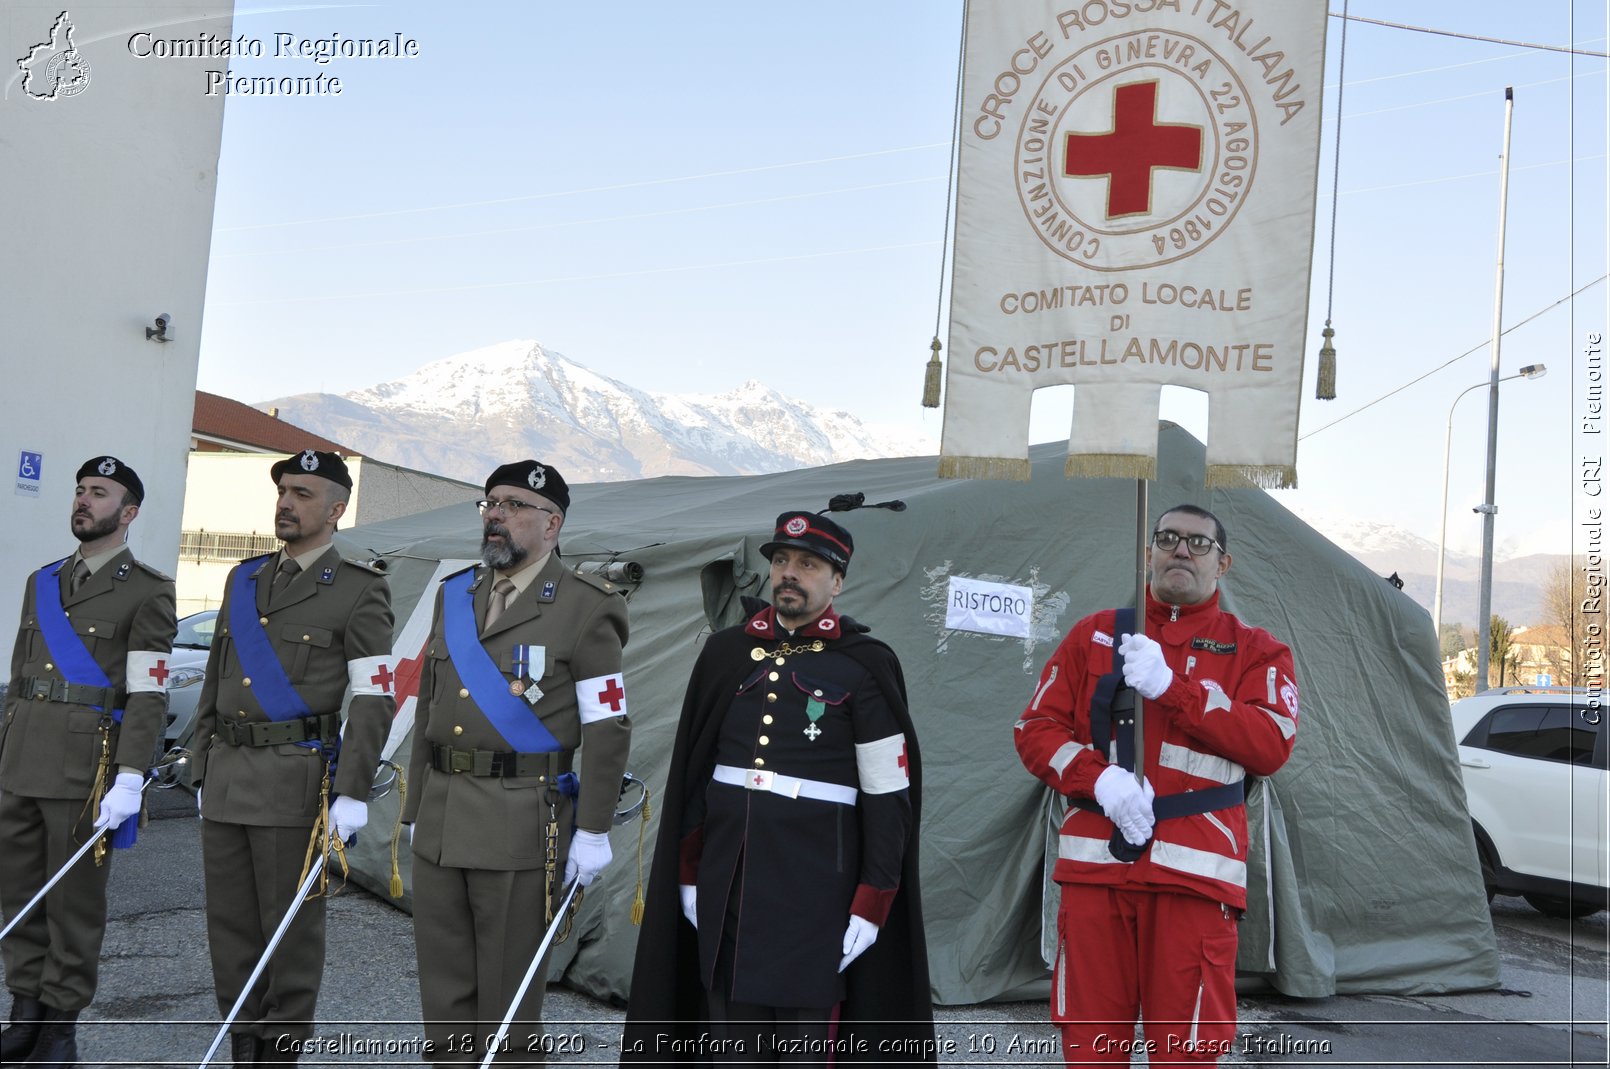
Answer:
(1530, 371)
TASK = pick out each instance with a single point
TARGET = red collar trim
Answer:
(764, 625)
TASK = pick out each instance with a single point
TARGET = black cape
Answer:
(887, 1014)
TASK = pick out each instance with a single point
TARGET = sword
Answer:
(1118, 846)
(314, 871)
(162, 774)
(560, 916)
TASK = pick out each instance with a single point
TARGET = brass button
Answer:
(772, 677)
(779, 660)
(306, 638)
(92, 630)
(766, 719)
(458, 729)
(463, 692)
(759, 762)
(818, 693)
(50, 667)
(771, 697)
(608, 587)
(764, 741)
(241, 714)
(246, 682)
(263, 620)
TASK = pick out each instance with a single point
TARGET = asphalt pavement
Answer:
(155, 1006)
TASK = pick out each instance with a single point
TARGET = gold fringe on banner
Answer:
(1109, 466)
(1263, 476)
(1016, 468)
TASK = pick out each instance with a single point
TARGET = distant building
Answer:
(229, 494)
(1539, 656)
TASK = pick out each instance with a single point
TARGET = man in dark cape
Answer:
(886, 1012)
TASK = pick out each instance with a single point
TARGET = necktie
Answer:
(502, 591)
(80, 573)
(282, 579)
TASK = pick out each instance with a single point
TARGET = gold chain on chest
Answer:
(759, 653)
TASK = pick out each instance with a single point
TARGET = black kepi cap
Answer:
(114, 469)
(815, 534)
(536, 476)
(314, 462)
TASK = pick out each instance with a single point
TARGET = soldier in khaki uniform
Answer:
(296, 631)
(523, 666)
(86, 707)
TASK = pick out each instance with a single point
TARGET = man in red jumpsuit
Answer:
(1155, 936)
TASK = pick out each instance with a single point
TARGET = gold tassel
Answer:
(639, 903)
(1325, 388)
(396, 834)
(96, 789)
(930, 378)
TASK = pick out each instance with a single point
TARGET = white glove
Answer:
(690, 902)
(861, 934)
(410, 835)
(198, 801)
(122, 801)
(1144, 667)
(1126, 804)
(348, 817)
(589, 853)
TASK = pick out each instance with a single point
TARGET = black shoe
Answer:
(245, 1050)
(17, 1039)
(58, 1039)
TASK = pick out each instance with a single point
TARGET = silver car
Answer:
(187, 668)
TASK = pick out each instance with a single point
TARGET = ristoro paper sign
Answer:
(989, 608)
(1135, 206)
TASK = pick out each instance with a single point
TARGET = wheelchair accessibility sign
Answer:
(29, 466)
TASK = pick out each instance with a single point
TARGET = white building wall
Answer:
(106, 202)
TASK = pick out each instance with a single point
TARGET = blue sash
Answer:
(510, 715)
(74, 661)
(261, 664)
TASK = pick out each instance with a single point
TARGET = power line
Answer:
(1471, 36)
(1448, 363)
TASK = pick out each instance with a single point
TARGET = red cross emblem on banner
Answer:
(612, 695)
(407, 678)
(160, 673)
(1136, 146)
(383, 678)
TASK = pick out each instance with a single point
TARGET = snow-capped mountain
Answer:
(466, 414)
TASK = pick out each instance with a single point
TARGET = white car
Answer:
(1534, 764)
(187, 668)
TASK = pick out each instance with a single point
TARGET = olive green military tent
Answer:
(1363, 876)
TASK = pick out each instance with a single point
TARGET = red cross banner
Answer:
(407, 658)
(1134, 210)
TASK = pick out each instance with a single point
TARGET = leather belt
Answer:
(499, 763)
(756, 779)
(36, 688)
(321, 727)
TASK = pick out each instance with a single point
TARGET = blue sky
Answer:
(685, 197)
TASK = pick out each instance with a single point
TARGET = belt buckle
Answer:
(461, 760)
(759, 779)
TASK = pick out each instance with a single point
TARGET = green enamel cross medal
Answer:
(814, 709)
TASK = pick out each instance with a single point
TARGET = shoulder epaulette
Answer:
(363, 566)
(461, 571)
(598, 582)
(148, 570)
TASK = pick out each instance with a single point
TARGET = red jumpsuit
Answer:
(1158, 933)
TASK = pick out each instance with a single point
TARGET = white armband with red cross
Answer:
(147, 672)
(601, 697)
(371, 676)
(882, 765)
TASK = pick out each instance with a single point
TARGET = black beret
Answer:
(314, 462)
(532, 475)
(119, 472)
(815, 534)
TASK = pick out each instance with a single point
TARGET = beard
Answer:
(96, 528)
(500, 556)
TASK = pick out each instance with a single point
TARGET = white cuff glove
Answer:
(1126, 804)
(589, 853)
(347, 818)
(861, 934)
(690, 902)
(122, 801)
(1144, 667)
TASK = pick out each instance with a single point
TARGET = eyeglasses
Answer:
(1197, 544)
(510, 507)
